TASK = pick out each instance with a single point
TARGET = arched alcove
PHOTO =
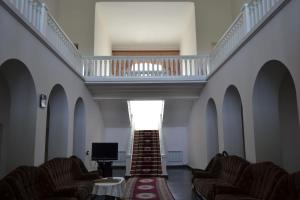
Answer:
(275, 112)
(233, 122)
(18, 106)
(212, 129)
(79, 129)
(57, 124)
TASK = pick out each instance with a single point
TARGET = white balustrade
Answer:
(37, 15)
(62, 43)
(145, 66)
(253, 13)
(130, 145)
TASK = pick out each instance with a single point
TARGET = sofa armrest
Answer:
(223, 189)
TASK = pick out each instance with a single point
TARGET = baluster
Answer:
(180, 67)
(268, 5)
(143, 66)
(95, 64)
(105, 67)
(17, 4)
(176, 66)
(194, 67)
(124, 67)
(25, 12)
(151, 66)
(165, 68)
(190, 65)
(121, 67)
(256, 12)
(272, 3)
(21, 7)
(127, 66)
(114, 67)
(117, 67)
(34, 14)
(171, 66)
(30, 4)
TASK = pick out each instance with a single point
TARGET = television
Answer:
(104, 151)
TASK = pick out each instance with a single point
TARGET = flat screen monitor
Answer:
(104, 151)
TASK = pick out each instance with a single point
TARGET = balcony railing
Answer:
(37, 16)
(146, 67)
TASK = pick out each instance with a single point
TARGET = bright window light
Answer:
(146, 115)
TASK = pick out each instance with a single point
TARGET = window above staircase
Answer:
(146, 115)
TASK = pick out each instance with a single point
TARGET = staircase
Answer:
(146, 157)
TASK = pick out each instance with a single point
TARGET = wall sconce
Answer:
(43, 100)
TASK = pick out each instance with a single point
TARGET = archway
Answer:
(18, 105)
(212, 129)
(233, 122)
(57, 124)
(275, 112)
(79, 129)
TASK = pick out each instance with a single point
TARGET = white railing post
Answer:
(43, 20)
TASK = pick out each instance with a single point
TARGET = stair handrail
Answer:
(162, 144)
(130, 143)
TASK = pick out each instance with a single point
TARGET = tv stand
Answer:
(105, 167)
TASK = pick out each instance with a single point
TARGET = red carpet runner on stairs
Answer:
(146, 158)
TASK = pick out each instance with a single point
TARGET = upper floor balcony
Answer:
(156, 69)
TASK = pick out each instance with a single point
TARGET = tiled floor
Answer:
(179, 182)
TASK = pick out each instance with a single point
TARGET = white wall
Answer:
(102, 43)
(188, 44)
(47, 70)
(119, 135)
(175, 139)
(241, 71)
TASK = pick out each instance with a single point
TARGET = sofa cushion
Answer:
(24, 181)
(58, 178)
(258, 180)
(205, 186)
(6, 192)
(285, 189)
(232, 168)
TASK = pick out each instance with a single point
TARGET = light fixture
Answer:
(43, 100)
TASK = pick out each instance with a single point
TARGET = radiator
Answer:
(175, 156)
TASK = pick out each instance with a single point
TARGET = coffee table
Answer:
(113, 187)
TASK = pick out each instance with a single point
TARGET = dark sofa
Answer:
(226, 172)
(237, 179)
(57, 179)
(60, 176)
(23, 184)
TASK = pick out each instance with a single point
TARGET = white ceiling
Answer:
(134, 25)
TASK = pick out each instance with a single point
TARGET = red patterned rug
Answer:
(153, 188)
